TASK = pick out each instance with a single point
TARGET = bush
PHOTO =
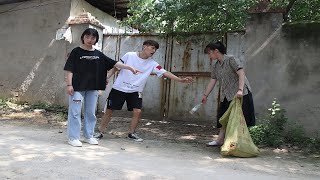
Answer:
(296, 135)
(270, 132)
(275, 131)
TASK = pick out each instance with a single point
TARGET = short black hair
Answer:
(213, 46)
(151, 43)
(92, 32)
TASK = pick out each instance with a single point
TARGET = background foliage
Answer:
(169, 16)
(275, 130)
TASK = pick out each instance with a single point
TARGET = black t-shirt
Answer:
(89, 69)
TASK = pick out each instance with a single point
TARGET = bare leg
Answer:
(105, 120)
(135, 120)
(220, 139)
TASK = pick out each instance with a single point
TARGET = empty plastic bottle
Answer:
(195, 108)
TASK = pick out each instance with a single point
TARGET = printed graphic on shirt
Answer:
(89, 57)
(129, 85)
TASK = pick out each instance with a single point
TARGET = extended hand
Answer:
(187, 80)
(135, 71)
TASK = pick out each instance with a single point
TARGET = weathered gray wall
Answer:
(31, 59)
(283, 63)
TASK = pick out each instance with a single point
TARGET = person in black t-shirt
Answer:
(86, 70)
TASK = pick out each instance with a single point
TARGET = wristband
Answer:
(240, 90)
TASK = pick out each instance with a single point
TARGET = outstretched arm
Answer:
(112, 72)
(124, 66)
(176, 78)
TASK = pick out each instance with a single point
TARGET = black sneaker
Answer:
(135, 137)
(98, 136)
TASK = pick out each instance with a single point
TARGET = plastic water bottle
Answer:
(195, 108)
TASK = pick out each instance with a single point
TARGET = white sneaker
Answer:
(75, 143)
(92, 141)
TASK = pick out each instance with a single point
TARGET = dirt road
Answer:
(30, 150)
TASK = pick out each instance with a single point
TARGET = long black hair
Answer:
(213, 46)
(92, 32)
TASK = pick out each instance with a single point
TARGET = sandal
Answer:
(213, 143)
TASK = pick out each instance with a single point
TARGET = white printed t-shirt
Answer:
(129, 82)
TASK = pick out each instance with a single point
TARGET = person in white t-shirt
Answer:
(127, 87)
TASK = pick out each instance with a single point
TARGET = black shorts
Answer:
(117, 98)
(247, 108)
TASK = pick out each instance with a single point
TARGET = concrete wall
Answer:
(283, 63)
(31, 58)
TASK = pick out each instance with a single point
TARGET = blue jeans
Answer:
(89, 100)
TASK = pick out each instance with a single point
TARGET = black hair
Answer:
(92, 32)
(151, 43)
(213, 46)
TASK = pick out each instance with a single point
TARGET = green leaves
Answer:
(305, 10)
(171, 16)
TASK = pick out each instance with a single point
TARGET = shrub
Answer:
(275, 131)
(270, 132)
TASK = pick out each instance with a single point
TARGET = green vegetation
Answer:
(49, 107)
(56, 109)
(177, 16)
(3, 103)
(13, 105)
(275, 130)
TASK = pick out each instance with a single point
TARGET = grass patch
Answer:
(50, 109)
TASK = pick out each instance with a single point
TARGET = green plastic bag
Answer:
(237, 141)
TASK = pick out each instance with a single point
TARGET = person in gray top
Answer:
(229, 73)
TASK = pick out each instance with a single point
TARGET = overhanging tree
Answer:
(170, 16)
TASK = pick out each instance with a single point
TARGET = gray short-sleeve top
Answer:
(226, 75)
